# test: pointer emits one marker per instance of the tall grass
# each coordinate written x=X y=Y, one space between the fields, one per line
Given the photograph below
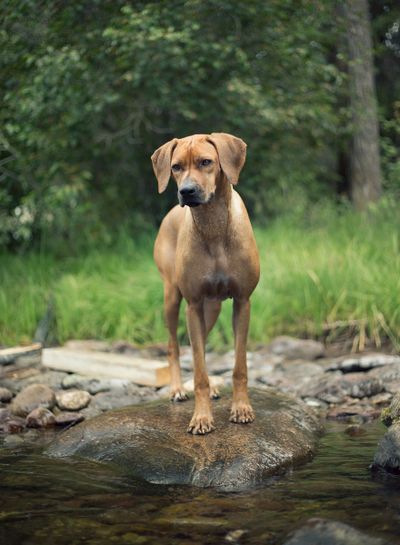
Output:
x=327 y=270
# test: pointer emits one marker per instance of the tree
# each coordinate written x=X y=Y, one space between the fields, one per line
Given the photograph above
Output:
x=365 y=171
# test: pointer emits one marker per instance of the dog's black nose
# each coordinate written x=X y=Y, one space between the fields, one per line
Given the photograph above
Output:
x=187 y=190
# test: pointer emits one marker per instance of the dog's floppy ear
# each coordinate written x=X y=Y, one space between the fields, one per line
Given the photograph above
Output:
x=161 y=160
x=231 y=152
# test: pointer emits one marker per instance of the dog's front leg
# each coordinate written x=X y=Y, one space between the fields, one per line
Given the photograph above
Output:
x=202 y=420
x=242 y=411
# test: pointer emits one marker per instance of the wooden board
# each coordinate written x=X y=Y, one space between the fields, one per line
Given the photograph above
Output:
x=102 y=364
x=21 y=354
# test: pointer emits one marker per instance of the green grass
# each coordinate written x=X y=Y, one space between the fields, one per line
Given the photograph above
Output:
x=333 y=267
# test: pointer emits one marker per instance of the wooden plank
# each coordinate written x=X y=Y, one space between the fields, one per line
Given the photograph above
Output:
x=21 y=354
x=102 y=364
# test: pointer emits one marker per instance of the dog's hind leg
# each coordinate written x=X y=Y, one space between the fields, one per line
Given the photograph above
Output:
x=172 y=301
x=211 y=309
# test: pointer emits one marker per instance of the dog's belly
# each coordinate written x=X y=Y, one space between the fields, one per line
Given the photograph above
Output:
x=219 y=286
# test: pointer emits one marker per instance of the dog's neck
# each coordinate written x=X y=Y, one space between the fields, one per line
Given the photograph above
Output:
x=211 y=220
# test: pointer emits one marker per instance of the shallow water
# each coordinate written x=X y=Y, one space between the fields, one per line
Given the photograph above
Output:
x=46 y=501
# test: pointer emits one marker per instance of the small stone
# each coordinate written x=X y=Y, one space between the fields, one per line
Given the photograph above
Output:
x=354 y=430
x=13 y=441
x=4 y=415
x=73 y=400
x=381 y=399
x=234 y=535
x=40 y=418
x=67 y=418
x=35 y=395
x=5 y=395
x=14 y=424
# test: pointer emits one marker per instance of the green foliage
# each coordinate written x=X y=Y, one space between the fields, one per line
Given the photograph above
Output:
x=90 y=89
x=330 y=267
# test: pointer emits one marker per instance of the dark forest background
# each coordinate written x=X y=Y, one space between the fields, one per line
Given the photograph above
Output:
x=90 y=89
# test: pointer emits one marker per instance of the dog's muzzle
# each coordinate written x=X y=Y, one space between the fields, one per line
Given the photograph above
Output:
x=190 y=194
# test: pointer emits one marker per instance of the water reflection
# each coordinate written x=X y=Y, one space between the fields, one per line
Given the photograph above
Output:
x=46 y=501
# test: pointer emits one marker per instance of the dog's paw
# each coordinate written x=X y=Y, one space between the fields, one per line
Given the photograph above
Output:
x=201 y=424
x=214 y=393
x=178 y=394
x=241 y=413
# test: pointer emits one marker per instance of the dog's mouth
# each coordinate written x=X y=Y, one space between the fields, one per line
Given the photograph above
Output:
x=194 y=201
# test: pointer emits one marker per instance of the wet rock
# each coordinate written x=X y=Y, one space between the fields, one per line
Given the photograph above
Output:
x=293 y=349
x=5 y=395
x=392 y=413
x=73 y=400
x=111 y=400
x=151 y=442
x=329 y=532
x=4 y=415
x=13 y=424
x=40 y=418
x=13 y=441
x=382 y=399
x=387 y=455
x=93 y=385
x=363 y=362
x=67 y=418
x=351 y=413
x=35 y=395
x=354 y=430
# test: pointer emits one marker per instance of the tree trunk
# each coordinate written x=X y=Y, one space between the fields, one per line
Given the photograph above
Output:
x=365 y=171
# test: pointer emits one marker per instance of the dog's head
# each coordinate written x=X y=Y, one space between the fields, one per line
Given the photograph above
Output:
x=197 y=162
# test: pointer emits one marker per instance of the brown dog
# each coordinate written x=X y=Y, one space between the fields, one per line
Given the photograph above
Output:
x=206 y=252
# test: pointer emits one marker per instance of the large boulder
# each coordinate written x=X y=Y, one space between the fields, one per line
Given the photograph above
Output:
x=150 y=441
x=387 y=455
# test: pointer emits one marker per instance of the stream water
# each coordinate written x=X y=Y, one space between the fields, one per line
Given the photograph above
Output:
x=46 y=501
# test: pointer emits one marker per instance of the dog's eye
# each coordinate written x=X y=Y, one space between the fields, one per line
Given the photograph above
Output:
x=176 y=167
x=205 y=162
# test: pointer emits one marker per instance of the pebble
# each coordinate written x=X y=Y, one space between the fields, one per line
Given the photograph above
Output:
x=5 y=395
x=67 y=418
x=35 y=395
x=73 y=400
x=13 y=441
x=14 y=424
x=40 y=418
